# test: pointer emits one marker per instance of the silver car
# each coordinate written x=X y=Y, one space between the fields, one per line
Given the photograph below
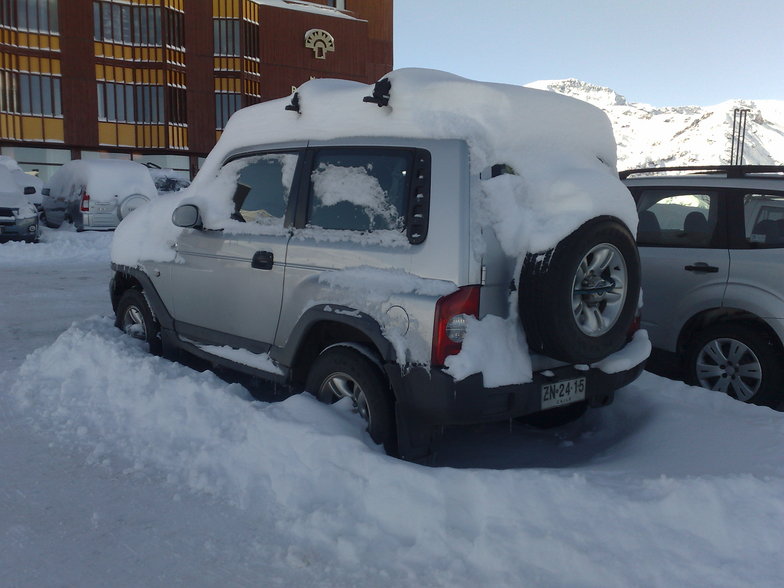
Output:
x=369 y=268
x=18 y=216
x=711 y=242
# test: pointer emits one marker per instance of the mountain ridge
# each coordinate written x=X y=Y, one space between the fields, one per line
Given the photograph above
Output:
x=653 y=136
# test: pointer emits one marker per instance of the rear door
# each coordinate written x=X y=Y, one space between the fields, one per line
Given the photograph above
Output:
x=229 y=278
x=682 y=239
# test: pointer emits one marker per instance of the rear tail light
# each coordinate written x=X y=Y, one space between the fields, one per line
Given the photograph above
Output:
x=85 y=204
x=450 y=322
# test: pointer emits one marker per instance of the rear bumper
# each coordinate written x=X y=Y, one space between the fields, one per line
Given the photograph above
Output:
x=433 y=397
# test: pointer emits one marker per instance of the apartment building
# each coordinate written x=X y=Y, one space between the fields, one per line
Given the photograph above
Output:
x=156 y=80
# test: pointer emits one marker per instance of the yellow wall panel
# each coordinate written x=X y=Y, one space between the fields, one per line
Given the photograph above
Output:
x=32 y=128
x=53 y=129
x=126 y=135
x=107 y=133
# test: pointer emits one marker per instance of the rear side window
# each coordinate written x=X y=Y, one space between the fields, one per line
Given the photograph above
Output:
x=360 y=189
x=677 y=218
x=764 y=220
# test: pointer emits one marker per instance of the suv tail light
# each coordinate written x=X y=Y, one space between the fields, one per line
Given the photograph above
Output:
x=450 y=323
x=85 y=204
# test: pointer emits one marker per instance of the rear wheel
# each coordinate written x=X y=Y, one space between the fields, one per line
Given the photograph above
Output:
x=135 y=318
x=739 y=361
x=344 y=372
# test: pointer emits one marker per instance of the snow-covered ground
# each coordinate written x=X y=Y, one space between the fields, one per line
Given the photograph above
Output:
x=123 y=469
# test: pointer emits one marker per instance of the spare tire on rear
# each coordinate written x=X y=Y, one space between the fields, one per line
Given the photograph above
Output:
x=578 y=300
x=130 y=204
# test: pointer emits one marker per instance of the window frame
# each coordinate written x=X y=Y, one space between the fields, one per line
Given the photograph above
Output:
x=737 y=214
x=417 y=198
x=294 y=194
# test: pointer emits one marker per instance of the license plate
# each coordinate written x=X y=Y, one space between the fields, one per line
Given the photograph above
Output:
x=563 y=392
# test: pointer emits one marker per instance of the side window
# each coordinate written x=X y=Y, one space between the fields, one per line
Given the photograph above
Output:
x=677 y=218
x=764 y=219
x=360 y=189
x=263 y=187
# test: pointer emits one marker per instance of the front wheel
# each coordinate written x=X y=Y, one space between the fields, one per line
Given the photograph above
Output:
x=739 y=361
x=135 y=318
x=343 y=372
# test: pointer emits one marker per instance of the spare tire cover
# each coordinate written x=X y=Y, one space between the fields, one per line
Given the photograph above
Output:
x=578 y=300
x=130 y=204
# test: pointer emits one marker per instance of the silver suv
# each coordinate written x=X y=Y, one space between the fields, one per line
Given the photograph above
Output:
x=711 y=241
x=377 y=253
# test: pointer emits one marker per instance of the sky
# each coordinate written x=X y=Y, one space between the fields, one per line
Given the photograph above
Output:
x=664 y=53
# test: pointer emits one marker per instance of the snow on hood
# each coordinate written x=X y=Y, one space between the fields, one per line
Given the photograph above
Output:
x=562 y=150
x=104 y=178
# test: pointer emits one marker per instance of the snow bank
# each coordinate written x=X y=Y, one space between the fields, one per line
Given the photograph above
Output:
x=63 y=244
x=670 y=486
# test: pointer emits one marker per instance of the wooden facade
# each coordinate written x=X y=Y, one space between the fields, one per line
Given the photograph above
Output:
x=161 y=76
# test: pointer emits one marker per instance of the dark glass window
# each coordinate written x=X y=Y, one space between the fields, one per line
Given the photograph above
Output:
x=764 y=220
x=37 y=16
x=123 y=23
x=226 y=104
x=677 y=218
x=226 y=36
x=27 y=93
x=360 y=190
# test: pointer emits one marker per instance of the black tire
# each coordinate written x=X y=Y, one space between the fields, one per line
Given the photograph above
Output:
x=49 y=224
x=580 y=316
x=742 y=361
x=555 y=417
x=135 y=318
x=345 y=372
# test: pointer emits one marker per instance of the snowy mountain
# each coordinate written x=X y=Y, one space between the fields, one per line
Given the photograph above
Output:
x=682 y=135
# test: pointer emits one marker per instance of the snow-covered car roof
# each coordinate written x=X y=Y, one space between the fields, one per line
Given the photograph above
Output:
x=104 y=178
x=561 y=149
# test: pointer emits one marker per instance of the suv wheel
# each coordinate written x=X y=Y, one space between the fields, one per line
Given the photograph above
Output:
x=578 y=300
x=737 y=360
x=342 y=372
x=135 y=318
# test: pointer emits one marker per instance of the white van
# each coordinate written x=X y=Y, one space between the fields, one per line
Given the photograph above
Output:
x=96 y=193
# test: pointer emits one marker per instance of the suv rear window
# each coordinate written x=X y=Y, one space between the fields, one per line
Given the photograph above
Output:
x=360 y=189
x=764 y=220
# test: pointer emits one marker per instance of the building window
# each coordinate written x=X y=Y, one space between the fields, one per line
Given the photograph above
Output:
x=123 y=23
x=29 y=93
x=226 y=104
x=226 y=36
x=138 y=103
x=175 y=29
x=176 y=100
x=35 y=16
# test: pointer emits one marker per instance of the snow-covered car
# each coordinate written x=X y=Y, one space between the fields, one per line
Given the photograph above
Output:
x=167 y=180
x=32 y=186
x=710 y=240
x=18 y=216
x=96 y=193
x=432 y=250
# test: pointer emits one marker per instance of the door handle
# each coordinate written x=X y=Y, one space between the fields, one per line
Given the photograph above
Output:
x=702 y=268
x=262 y=260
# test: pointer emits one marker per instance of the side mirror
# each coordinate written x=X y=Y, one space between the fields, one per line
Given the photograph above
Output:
x=187 y=216
x=29 y=190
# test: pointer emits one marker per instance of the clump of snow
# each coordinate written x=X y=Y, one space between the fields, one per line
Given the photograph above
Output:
x=57 y=246
x=497 y=348
x=334 y=184
x=634 y=353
